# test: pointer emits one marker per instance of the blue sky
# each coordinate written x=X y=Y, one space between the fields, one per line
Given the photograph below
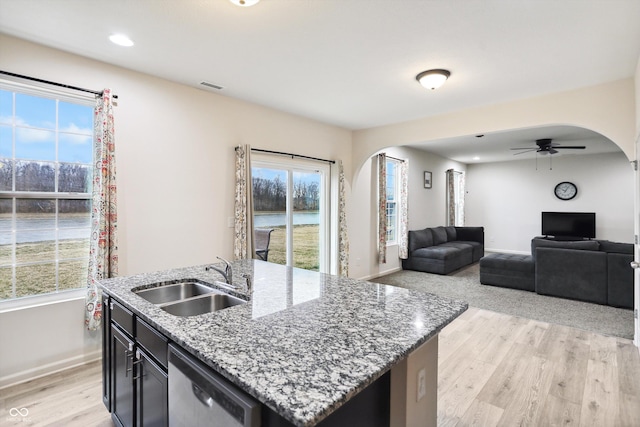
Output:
x=271 y=173
x=35 y=125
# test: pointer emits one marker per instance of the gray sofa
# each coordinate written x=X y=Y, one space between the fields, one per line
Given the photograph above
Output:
x=595 y=271
x=442 y=250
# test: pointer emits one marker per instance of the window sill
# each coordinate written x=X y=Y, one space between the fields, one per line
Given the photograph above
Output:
x=40 y=300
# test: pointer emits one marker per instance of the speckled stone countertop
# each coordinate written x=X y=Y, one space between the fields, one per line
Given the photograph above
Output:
x=306 y=342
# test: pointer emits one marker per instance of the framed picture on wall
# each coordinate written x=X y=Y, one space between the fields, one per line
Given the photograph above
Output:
x=427 y=179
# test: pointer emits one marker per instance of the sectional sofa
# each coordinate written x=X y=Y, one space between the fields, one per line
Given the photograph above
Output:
x=442 y=250
x=595 y=271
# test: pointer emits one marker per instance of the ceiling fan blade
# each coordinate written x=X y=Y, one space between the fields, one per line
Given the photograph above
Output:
x=528 y=150
x=575 y=147
x=523 y=148
x=552 y=151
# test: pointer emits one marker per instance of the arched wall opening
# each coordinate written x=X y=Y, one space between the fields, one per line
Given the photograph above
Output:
x=607 y=109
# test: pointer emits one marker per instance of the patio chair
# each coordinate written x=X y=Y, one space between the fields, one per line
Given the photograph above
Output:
x=262 y=237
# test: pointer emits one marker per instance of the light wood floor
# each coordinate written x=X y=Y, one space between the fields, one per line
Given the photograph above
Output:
x=494 y=370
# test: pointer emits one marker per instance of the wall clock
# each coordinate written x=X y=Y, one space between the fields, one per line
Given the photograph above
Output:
x=566 y=190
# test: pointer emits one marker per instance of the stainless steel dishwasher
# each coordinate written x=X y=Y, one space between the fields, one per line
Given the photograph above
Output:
x=200 y=397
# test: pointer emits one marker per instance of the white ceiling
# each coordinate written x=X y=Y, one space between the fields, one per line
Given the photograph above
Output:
x=350 y=63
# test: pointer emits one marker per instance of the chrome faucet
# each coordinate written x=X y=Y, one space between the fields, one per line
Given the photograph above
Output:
x=227 y=273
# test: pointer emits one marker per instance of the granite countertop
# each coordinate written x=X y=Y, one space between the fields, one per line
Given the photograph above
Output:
x=306 y=342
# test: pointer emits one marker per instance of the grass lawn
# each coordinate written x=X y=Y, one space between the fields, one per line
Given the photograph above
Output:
x=306 y=243
x=40 y=278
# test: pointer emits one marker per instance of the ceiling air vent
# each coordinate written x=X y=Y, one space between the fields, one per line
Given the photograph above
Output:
x=211 y=85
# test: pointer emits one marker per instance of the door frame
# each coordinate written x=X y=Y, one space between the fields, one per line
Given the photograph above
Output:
x=292 y=165
x=636 y=274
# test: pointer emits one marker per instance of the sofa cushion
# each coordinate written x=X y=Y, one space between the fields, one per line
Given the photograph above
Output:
x=440 y=252
x=619 y=280
x=587 y=245
x=439 y=235
x=420 y=239
x=451 y=233
x=615 y=247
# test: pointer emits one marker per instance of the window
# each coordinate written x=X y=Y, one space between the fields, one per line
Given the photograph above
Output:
x=46 y=156
x=393 y=194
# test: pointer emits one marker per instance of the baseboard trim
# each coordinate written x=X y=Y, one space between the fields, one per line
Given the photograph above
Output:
x=380 y=274
x=507 y=251
x=51 y=368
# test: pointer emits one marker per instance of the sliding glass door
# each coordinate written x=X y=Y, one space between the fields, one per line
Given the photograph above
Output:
x=290 y=197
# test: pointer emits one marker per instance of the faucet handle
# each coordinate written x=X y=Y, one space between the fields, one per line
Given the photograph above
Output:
x=249 y=282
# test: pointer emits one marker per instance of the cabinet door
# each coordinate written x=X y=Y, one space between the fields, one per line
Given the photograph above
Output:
x=151 y=392
x=122 y=382
x=106 y=353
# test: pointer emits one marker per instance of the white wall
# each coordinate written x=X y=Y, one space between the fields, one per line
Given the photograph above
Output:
x=427 y=207
x=508 y=197
x=175 y=176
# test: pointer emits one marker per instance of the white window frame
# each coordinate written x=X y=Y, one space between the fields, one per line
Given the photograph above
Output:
x=394 y=225
x=58 y=295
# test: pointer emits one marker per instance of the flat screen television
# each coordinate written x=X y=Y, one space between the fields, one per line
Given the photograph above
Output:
x=569 y=224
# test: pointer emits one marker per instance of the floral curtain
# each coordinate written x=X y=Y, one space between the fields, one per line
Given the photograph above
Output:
x=451 y=198
x=343 y=238
x=103 y=246
x=403 y=235
x=243 y=244
x=382 y=208
x=455 y=197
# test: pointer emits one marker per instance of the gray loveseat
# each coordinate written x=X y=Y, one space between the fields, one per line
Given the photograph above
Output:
x=442 y=250
x=595 y=271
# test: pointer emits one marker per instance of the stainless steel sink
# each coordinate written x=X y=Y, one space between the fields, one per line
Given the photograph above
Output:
x=173 y=292
x=203 y=304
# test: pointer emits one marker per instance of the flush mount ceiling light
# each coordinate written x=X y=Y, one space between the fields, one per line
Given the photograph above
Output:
x=121 y=40
x=244 y=3
x=433 y=79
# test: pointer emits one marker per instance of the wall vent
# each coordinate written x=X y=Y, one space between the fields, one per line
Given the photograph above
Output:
x=211 y=85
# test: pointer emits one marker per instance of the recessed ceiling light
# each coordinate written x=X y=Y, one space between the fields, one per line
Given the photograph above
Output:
x=121 y=40
x=476 y=158
x=244 y=3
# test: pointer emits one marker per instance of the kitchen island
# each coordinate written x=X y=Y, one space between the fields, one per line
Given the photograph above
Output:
x=306 y=344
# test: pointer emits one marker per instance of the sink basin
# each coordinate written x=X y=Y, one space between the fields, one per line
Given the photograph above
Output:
x=173 y=292
x=204 y=304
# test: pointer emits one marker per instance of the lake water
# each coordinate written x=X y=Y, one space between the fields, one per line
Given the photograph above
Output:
x=278 y=219
x=43 y=229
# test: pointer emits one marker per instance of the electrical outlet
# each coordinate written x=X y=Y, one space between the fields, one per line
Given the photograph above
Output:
x=422 y=384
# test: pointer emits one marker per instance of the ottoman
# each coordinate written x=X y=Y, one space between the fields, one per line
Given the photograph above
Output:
x=509 y=271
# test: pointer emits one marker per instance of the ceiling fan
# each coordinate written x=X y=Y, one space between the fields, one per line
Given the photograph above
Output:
x=545 y=146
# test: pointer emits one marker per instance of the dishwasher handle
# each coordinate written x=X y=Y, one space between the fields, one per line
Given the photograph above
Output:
x=202 y=396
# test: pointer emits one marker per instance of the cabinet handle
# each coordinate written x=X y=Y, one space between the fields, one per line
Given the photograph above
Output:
x=128 y=353
x=138 y=361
